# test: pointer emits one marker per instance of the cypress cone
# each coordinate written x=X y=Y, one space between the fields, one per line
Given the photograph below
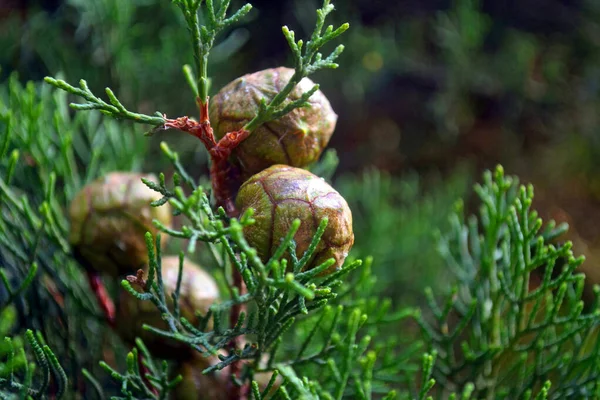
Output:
x=296 y=139
x=281 y=194
x=109 y=218
x=198 y=292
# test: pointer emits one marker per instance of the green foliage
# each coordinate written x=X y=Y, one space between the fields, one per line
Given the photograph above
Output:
x=30 y=387
x=74 y=147
x=349 y=342
x=514 y=325
x=306 y=62
x=275 y=298
x=515 y=316
x=203 y=36
x=48 y=154
x=145 y=377
x=7 y=317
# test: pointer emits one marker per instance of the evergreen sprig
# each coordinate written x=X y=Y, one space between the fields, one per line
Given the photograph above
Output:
x=203 y=36
x=44 y=148
x=23 y=383
x=307 y=60
x=513 y=324
x=515 y=318
x=114 y=108
x=276 y=300
x=145 y=377
x=278 y=296
x=322 y=343
x=516 y=308
x=344 y=365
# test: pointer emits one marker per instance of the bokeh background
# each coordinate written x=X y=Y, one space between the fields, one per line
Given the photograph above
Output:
x=429 y=93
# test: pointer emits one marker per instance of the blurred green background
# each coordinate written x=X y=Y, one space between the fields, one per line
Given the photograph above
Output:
x=429 y=93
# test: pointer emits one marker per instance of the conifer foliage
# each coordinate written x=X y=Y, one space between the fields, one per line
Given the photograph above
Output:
x=290 y=323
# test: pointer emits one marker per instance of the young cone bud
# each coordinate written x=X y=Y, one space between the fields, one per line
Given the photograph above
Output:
x=198 y=292
x=109 y=218
x=281 y=194
x=296 y=139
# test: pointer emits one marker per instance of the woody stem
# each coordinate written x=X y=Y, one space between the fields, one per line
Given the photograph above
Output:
x=220 y=176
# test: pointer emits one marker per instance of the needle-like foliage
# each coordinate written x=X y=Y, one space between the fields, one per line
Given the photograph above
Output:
x=275 y=299
x=18 y=378
x=47 y=155
x=144 y=378
x=307 y=60
x=515 y=318
x=514 y=326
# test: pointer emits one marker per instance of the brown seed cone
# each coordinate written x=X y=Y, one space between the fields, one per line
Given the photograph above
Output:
x=109 y=218
x=195 y=385
x=198 y=292
x=281 y=194
x=296 y=139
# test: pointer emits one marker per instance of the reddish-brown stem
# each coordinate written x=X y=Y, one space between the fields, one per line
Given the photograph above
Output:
x=202 y=131
x=203 y=107
x=104 y=300
x=219 y=152
x=223 y=185
x=219 y=175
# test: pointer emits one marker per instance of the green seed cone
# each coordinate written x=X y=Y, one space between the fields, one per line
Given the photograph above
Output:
x=279 y=195
x=198 y=292
x=109 y=218
x=296 y=139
